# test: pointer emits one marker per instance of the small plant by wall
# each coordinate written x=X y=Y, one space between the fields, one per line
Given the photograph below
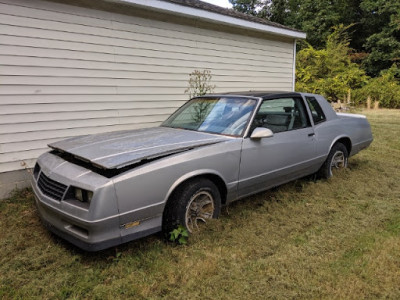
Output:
x=199 y=83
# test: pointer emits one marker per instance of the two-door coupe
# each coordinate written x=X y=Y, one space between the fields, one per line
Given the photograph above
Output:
x=97 y=191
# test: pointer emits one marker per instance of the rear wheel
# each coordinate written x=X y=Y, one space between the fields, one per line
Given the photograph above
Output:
x=192 y=205
x=337 y=159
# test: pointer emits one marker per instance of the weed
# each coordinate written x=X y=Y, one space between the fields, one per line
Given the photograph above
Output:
x=179 y=235
x=199 y=83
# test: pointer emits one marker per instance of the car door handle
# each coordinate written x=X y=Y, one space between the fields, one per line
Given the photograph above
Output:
x=311 y=134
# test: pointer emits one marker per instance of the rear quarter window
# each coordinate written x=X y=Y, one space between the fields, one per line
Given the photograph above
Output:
x=317 y=113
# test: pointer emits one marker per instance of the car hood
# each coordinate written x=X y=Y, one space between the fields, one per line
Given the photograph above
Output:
x=114 y=150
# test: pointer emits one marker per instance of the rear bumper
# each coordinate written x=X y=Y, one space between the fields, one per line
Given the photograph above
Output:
x=360 y=146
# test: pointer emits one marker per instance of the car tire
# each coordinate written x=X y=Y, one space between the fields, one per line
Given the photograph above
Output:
x=195 y=201
x=337 y=159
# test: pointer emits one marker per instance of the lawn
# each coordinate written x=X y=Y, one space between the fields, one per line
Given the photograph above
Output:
x=337 y=238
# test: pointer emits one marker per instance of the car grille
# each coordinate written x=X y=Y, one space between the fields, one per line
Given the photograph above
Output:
x=50 y=187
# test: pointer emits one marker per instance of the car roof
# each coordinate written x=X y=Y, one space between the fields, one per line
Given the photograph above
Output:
x=258 y=94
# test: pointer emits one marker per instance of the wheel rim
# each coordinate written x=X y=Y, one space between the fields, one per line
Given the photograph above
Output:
x=200 y=208
x=338 y=161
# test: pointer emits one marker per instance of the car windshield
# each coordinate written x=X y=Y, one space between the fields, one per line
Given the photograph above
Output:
x=222 y=115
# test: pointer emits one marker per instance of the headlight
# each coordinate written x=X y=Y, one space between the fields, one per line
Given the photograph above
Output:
x=83 y=195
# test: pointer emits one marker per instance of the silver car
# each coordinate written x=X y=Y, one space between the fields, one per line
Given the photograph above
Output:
x=97 y=191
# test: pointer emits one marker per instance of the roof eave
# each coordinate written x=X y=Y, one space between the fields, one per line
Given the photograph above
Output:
x=213 y=17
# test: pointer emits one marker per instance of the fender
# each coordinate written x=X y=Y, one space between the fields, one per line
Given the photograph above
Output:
x=190 y=175
x=338 y=138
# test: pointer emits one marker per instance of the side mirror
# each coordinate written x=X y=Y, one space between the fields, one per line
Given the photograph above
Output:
x=261 y=132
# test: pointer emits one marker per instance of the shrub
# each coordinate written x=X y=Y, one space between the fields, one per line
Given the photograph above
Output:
x=329 y=71
x=385 y=89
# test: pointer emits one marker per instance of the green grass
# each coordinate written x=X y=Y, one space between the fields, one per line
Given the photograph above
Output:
x=335 y=239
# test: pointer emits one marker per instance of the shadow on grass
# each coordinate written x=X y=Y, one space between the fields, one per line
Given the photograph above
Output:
x=111 y=255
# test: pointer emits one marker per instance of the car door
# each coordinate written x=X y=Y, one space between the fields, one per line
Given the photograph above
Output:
x=288 y=154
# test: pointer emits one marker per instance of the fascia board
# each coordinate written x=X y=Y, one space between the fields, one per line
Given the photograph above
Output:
x=213 y=17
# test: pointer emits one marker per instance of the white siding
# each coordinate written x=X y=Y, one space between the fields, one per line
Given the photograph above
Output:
x=67 y=71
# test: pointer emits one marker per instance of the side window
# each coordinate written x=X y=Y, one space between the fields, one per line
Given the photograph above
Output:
x=316 y=110
x=282 y=114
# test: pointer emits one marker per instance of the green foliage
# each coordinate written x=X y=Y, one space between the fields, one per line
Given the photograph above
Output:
x=329 y=71
x=384 y=45
x=375 y=33
x=385 y=89
x=199 y=83
x=326 y=62
x=179 y=235
x=316 y=18
x=251 y=7
x=118 y=256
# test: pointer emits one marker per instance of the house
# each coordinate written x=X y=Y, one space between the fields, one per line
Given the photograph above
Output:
x=77 y=67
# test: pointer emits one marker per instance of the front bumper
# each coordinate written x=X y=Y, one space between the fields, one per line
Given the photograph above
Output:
x=91 y=227
x=90 y=235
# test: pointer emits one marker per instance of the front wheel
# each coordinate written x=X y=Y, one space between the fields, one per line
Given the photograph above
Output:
x=192 y=205
x=337 y=159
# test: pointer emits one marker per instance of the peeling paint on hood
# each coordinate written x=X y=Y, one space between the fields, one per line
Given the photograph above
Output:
x=114 y=150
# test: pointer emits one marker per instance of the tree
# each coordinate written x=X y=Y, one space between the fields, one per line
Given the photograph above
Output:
x=383 y=45
x=384 y=89
x=374 y=35
x=316 y=18
x=251 y=7
x=329 y=71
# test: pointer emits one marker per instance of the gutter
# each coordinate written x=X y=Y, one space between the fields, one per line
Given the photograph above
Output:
x=294 y=66
x=212 y=17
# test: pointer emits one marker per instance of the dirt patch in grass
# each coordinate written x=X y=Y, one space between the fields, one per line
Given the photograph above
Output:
x=337 y=238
